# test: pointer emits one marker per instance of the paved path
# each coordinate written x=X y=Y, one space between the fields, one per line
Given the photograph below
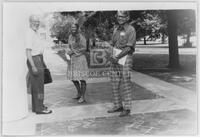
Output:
x=175 y=103
x=173 y=100
x=180 y=95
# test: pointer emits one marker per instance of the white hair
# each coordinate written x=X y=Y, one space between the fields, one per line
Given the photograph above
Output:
x=34 y=17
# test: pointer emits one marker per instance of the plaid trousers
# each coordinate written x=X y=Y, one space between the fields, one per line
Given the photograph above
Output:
x=120 y=75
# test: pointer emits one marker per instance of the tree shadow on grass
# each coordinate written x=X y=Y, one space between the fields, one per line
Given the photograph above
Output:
x=156 y=65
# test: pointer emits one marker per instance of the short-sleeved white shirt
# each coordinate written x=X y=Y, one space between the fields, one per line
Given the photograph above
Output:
x=34 y=42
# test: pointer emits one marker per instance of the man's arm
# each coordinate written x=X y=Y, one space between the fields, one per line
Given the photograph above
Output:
x=124 y=52
x=28 y=44
x=30 y=59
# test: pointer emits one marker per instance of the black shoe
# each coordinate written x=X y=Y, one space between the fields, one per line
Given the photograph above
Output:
x=113 y=110
x=44 y=112
x=45 y=107
x=125 y=113
x=76 y=97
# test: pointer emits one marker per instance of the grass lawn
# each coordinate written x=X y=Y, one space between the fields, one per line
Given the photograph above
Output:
x=155 y=65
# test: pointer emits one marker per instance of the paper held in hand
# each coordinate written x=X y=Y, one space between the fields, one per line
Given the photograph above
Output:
x=68 y=57
x=116 y=52
x=67 y=49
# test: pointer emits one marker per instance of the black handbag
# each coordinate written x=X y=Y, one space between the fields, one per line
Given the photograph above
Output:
x=47 y=76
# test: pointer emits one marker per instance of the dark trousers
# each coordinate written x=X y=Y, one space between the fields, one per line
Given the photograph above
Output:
x=37 y=83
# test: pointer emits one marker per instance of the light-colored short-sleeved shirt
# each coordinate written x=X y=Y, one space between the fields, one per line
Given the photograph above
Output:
x=124 y=37
x=34 y=42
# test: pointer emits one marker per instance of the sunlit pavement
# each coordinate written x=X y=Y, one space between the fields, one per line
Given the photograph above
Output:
x=158 y=108
x=164 y=50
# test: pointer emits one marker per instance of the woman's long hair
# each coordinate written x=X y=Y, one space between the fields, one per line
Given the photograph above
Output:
x=77 y=33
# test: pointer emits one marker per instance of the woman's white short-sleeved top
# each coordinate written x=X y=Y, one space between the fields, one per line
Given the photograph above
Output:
x=34 y=42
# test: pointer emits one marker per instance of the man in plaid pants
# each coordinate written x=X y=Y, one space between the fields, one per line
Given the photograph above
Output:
x=124 y=38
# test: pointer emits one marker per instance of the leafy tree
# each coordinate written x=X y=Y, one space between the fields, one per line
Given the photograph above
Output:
x=163 y=25
x=99 y=25
x=148 y=24
x=186 y=23
x=60 y=27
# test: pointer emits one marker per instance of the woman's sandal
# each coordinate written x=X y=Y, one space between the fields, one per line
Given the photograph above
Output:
x=81 y=100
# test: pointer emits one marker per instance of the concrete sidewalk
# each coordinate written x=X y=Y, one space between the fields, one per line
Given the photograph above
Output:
x=165 y=102
x=159 y=108
x=177 y=94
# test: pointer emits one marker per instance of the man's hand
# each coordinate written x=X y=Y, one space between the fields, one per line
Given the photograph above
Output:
x=114 y=60
x=67 y=61
x=35 y=71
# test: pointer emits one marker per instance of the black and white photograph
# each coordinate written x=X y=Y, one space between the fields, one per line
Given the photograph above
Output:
x=100 y=68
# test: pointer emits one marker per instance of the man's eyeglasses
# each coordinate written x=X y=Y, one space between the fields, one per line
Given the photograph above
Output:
x=35 y=22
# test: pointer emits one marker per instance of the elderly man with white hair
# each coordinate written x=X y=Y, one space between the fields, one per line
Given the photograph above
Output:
x=36 y=65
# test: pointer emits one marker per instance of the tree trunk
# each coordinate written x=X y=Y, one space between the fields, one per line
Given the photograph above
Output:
x=87 y=44
x=173 y=42
x=163 y=38
x=145 y=43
